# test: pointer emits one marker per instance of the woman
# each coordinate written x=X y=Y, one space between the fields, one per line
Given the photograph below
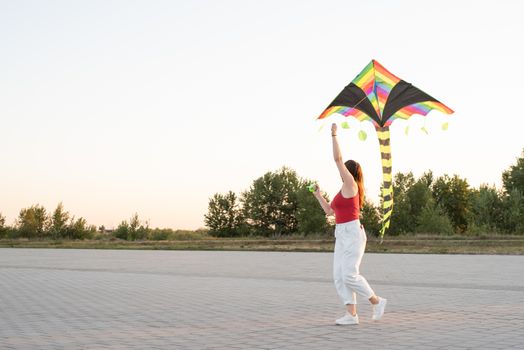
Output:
x=350 y=238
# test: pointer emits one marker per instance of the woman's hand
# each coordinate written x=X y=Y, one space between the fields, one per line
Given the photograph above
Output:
x=334 y=129
x=317 y=191
x=323 y=202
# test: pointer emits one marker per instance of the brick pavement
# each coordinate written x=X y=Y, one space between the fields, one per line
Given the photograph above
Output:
x=107 y=299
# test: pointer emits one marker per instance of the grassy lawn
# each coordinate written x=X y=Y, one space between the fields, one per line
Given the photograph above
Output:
x=424 y=244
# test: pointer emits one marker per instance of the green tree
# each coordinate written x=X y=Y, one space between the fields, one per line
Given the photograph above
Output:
x=420 y=197
x=138 y=230
x=513 y=198
x=370 y=218
x=401 y=218
x=224 y=217
x=32 y=222
x=513 y=178
x=58 y=227
x=122 y=230
x=453 y=195
x=513 y=212
x=486 y=209
x=79 y=229
x=270 y=205
x=3 y=229
x=133 y=230
x=433 y=219
x=427 y=178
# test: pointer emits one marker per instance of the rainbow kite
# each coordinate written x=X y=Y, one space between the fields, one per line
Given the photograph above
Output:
x=379 y=96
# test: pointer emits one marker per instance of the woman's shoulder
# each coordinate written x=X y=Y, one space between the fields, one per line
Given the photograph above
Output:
x=348 y=192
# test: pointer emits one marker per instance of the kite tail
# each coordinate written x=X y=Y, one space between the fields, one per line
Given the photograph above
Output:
x=387 y=184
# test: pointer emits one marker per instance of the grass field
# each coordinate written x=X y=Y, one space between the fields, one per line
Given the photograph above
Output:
x=402 y=244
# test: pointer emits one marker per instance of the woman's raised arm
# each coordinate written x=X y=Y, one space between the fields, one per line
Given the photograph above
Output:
x=348 y=179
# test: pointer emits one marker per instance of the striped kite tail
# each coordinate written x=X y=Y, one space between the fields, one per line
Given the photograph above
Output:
x=387 y=180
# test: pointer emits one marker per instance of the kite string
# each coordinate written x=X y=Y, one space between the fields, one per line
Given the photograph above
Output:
x=363 y=98
x=353 y=107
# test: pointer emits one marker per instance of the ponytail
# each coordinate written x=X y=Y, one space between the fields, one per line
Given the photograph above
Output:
x=356 y=170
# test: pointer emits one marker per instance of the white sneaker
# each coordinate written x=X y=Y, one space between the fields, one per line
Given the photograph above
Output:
x=378 y=309
x=347 y=319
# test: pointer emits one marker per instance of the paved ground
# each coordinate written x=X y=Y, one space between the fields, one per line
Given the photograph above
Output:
x=103 y=299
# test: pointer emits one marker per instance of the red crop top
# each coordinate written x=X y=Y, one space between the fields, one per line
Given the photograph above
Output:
x=346 y=209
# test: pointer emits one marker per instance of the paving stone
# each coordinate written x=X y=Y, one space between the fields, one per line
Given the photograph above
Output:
x=116 y=299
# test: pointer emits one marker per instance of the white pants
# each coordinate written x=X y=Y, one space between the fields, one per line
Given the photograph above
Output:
x=349 y=248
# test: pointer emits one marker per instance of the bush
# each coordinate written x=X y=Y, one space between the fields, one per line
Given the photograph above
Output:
x=160 y=234
x=134 y=230
x=78 y=229
x=186 y=235
x=122 y=230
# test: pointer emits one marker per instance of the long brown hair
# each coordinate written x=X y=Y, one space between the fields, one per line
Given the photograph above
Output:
x=356 y=170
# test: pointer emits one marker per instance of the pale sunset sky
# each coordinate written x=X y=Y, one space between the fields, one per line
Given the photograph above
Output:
x=117 y=107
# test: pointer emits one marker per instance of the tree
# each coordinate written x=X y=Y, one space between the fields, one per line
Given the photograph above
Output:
x=79 y=229
x=513 y=212
x=58 y=227
x=224 y=217
x=513 y=178
x=132 y=230
x=277 y=203
x=32 y=222
x=420 y=197
x=433 y=219
x=453 y=195
x=270 y=205
x=427 y=178
x=122 y=230
x=486 y=209
x=512 y=217
x=3 y=229
x=138 y=230
x=401 y=218
x=370 y=218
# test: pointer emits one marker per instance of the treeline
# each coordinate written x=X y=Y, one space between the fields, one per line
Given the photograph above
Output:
x=36 y=223
x=448 y=204
x=278 y=203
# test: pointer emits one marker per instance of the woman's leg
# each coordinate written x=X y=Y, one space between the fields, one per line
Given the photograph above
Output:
x=353 y=250
x=352 y=257
x=374 y=300
x=351 y=309
x=347 y=296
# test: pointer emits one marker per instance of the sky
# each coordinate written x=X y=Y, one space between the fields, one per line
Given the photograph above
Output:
x=116 y=107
